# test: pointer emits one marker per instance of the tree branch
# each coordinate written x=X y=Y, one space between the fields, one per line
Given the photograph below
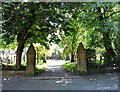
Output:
x=113 y=14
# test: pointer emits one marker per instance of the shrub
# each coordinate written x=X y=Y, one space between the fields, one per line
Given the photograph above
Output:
x=70 y=66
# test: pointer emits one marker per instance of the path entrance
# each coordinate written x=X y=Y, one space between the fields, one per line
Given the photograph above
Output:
x=55 y=69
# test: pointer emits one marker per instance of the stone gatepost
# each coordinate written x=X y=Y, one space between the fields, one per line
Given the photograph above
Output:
x=81 y=59
x=31 y=58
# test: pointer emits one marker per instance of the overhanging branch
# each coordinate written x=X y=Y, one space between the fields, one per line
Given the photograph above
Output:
x=113 y=14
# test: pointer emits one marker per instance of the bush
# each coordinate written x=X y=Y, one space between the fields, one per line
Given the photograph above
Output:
x=70 y=66
x=41 y=67
x=40 y=62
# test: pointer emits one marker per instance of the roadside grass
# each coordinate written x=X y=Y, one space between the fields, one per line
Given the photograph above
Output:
x=40 y=66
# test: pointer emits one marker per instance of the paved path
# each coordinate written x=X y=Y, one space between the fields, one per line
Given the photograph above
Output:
x=55 y=69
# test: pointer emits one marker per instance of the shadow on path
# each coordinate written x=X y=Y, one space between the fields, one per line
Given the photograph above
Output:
x=55 y=69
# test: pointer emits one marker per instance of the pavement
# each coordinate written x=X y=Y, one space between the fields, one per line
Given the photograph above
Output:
x=52 y=82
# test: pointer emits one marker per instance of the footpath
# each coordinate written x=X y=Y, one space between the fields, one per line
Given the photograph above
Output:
x=55 y=69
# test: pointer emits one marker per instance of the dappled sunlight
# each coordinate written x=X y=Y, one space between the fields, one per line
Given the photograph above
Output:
x=58 y=81
x=41 y=66
x=54 y=62
x=68 y=46
x=102 y=81
x=112 y=68
x=64 y=82
x=92 y=79
x=54 y=68
x=96 y=82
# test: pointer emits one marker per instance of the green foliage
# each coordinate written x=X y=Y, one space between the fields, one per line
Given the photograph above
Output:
x=87 y=27
x=40 y=68
x=70 y=38
x=32 y=20
x=70 y=66
x=16 y=16
x=95 y=24
x=49 y=17
x=117 y=42
x=117 y=32
x=40 y=62
x=24 y=64
x=41 y=51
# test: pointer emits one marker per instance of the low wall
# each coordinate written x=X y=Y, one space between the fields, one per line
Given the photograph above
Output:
x=13 y=73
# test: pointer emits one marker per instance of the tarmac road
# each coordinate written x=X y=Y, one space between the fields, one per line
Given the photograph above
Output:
x=95 y=82
x=56 y=79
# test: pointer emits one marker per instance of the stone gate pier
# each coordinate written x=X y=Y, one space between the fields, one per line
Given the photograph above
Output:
x=81 y=59
x=31 y=58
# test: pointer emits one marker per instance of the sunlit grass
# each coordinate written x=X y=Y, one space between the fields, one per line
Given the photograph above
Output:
x=8 y=64
x=43 y=66
x=70 y=66
x=40 y=62
x=40 y=66
x=23 y=63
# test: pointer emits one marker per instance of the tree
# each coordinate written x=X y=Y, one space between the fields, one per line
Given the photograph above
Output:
x=42 y=52
x=116 y=18
x=31 y=23
x=18 y=18
x=70 y=41
x=70 y=37
x=98 y=17
x=34 y=22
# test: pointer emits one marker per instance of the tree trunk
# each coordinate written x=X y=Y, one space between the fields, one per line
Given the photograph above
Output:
x=22 y=37
x=72 y=57
x=19 y=54
x=44 y=59
x=106 y=38
x=107 y=44
x=110 y=54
